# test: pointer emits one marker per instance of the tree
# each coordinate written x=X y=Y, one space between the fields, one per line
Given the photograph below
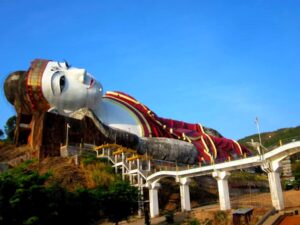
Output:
x=10 y=127
x=1 y=133
x=120 y=201
x=27 y=197
x=22 y=194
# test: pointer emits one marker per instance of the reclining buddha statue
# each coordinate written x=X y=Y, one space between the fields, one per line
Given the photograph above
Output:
x=50 y=86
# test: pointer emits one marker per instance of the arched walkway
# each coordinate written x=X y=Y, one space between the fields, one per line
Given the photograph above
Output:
x=270 y=163
x=132 y=165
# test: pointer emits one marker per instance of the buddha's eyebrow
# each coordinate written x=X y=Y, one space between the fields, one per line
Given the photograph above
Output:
x=67 y=64
x=60 y=67
x=55 y=68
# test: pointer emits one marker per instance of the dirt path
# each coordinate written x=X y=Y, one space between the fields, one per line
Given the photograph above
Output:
x=260 y=202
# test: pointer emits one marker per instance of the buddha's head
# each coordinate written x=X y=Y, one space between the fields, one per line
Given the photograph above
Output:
x=50 y=85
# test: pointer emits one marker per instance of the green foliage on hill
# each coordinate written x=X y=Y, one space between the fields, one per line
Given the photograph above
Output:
x=26 y=198
x=98 y=172
x=120 y=201
x=272 y=138
x=10 y=127
x=244 y=176
x=1 y=133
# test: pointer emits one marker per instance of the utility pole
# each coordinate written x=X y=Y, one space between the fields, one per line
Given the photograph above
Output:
x=259 y=137
x=257 y=126
x=67 y=135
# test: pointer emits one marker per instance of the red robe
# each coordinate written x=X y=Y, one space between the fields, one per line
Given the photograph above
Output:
x=211 y=149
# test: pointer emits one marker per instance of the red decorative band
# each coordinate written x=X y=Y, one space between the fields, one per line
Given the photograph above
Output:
x=34 y=85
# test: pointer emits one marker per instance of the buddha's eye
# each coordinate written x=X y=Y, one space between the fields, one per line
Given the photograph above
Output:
x=62 y=82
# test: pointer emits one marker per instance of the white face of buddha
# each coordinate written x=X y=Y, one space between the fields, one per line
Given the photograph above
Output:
x=68 y=88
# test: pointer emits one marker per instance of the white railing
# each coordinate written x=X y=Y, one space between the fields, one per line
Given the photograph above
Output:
x=136 y=167
x=283 y=142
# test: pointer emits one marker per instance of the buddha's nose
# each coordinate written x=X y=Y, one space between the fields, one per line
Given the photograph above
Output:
x=81 y=73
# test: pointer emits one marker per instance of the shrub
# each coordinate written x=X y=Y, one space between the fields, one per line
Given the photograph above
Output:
x=120 y=201
x=220 y=217
x=194 y=222
x=169 y=217
x=26 y=199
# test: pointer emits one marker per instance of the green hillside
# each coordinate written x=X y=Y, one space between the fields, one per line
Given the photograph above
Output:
x=273 y=138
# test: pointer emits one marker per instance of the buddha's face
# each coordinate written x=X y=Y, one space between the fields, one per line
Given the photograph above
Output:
x=68 y=88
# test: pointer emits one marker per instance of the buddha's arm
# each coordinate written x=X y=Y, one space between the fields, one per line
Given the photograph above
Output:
x=160 y=148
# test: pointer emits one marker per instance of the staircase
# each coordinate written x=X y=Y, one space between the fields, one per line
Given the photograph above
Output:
x=126 y=160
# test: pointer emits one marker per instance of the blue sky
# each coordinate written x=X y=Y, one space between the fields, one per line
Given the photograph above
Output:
x=218 y=63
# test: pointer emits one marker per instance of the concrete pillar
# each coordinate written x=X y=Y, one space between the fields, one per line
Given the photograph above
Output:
x=149 y=165
x=222 y=180
x=185 y=194
x=141 y=201
x=276 y=190
x=116 y=161
x=123 y=166
x=138 y=164
x=273 y=170
x=130 y=175
x=153 y=199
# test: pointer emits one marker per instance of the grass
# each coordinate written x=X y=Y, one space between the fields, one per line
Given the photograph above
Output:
x=272 y=138
x=98 y=174
x=246 y=176
x=97 y=171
